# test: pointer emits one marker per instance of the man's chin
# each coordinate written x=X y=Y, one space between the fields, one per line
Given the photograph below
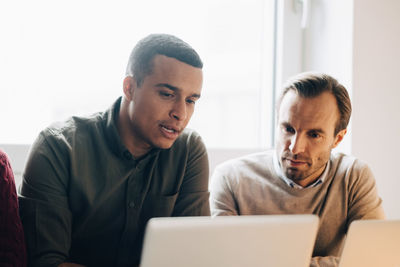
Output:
x=294 y=175
x=164 y=145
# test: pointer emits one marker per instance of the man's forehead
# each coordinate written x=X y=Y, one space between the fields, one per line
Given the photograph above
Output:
x=313 y=112
x=325 y=101
x=176 y=75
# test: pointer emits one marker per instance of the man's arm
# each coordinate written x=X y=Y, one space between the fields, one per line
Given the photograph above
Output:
x=364 y=202
x=44 y=208
x=193 y=195
x=222 y=200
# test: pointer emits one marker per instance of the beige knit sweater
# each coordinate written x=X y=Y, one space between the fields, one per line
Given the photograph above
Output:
x=251 y=186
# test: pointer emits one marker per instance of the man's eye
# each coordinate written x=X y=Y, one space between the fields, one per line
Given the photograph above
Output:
x=190 y=101
x=165 y=94
x=289 y=129
x=314 y=135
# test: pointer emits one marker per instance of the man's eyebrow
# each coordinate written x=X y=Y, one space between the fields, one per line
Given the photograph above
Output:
x=170 y=87
x=175 y=89
x=317 y=130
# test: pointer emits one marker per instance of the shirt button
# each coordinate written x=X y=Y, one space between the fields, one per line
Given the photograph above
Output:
x=131 y=205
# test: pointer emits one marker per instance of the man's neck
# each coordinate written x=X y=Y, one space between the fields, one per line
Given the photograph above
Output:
x=127 y=135
x=311 y=178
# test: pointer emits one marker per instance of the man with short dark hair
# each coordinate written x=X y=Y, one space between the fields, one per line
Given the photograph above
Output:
x=301 y=175
x=91 y=183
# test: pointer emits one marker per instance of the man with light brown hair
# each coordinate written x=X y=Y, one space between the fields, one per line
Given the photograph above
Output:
x=301 y=175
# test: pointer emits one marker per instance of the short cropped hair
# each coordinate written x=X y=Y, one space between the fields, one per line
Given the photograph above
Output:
x=141 y=59
x=309 y=85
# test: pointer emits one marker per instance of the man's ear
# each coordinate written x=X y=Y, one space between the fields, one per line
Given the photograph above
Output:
x=339 y=137
x=129 y=87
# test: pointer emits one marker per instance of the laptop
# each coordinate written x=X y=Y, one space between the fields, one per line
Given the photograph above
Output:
x=231 y=241
x=372 y=243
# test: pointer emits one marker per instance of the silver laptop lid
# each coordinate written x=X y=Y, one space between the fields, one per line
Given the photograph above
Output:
x=234 y=241
x=372 y=243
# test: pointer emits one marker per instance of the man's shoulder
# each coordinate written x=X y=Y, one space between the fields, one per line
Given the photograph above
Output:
x=81 y=127
x=3 y=158
x=189 y=144
x=73 y=126
x=347 y=162
x=72 y=134
x=349 y=167
x=5 y=167
x=187 y=139
x=188 y=133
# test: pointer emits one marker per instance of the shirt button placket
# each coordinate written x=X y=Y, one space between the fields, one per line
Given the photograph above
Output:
x=132 y=190
x=131 y=221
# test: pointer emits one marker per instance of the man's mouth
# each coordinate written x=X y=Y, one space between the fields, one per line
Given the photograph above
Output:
x=170 y=132
x=168 y=129
x=295 y=163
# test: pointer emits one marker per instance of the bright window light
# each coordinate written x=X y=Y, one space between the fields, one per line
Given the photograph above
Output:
x=64 y=58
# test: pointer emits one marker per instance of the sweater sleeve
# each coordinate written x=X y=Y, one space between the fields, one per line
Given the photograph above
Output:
x=222 y=199
x=364 y=202
x=12 y=243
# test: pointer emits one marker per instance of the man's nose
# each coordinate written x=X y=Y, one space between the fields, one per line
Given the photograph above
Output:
x=297 y=144
x=179 y=110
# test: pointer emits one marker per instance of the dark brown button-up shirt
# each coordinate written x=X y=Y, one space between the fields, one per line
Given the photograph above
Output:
x=85 y=199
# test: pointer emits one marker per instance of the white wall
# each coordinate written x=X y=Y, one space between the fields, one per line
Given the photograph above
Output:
x=358 y=42
x=376 y=94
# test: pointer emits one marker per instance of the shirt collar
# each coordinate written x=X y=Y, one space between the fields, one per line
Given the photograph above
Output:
x=292 y=184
